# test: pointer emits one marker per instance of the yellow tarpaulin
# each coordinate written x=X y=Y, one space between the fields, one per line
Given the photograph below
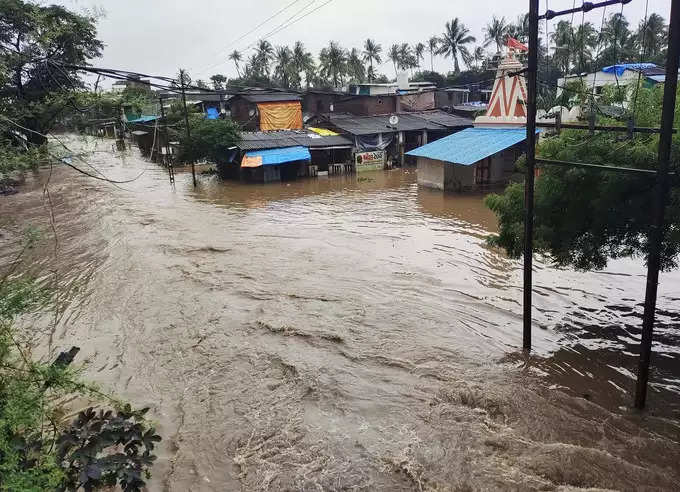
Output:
x=251 y=161
x=323 y=132
x=280 y=115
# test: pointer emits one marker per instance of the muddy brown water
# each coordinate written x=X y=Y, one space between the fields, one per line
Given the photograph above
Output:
x=345 y=333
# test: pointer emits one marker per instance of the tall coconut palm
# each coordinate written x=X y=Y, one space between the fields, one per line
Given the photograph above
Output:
x=478 y=56
x=395 y=57
x=333 y=60
x=235 y=56
x=371 y=54
x=563 y=38
x=284 y=65
x=432 y=47
x=355 y=66
x=406 y=58
x=495 y=32
x=303 y=61
x=652 y=36
x=585 y=41
x=418 y=51
x=453 y=42
x=264 y=52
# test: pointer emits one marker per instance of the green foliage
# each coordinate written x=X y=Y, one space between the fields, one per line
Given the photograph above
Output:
x=210 y=140
x=14 y=158
x=39 y=449
x=33 y=39
x=583 y=217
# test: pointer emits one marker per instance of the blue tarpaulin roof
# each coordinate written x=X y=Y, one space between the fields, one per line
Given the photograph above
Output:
x=144 y=119
x=471 y=145
x=271 y=157
x=619 y=69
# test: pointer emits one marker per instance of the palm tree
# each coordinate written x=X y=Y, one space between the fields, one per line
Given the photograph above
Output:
x=284 y=65
x=395 y=57
x=496 y=32
x=418 y=51
x=562 y=39
x=333 y=60
x=585 y=41
x=371 y=54
x=478 y=55
x=617 y=40
x=235 y=56
x=264 y=53
x=453 y=42
x=303 y=61
x=652 y=36
x=432 y=47
x=406 y=58
x=520 y=29
x=355 y=66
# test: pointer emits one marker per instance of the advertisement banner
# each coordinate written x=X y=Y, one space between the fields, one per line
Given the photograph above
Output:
x=369 y=161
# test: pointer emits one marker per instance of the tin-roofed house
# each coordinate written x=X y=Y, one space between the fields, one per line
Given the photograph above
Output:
x=485 y=155
x=266 y=111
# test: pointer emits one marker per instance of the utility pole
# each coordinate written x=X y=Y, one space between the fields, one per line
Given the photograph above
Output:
x=171 y=169
x=660 y=200
x=182 y=74
x=532 y=71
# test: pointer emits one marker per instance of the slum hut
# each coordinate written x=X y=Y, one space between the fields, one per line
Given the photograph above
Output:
x=450 y=97
x=259 y=111
x=376 y=134
x=470 y=159
x=325 y=151
x=279 y=164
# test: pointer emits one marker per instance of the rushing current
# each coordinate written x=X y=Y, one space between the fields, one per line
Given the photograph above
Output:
x=343 y=333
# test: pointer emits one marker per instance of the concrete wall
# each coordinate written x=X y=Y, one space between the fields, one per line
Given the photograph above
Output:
x=458 y=177
x=366 y=105
x=430 y=173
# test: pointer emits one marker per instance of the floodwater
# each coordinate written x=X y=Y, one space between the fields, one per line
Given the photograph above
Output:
x=345 y=333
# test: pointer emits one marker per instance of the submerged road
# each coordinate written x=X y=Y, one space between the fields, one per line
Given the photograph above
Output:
x=346 y=333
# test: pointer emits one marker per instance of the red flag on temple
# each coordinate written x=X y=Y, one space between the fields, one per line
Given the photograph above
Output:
x=516 y=45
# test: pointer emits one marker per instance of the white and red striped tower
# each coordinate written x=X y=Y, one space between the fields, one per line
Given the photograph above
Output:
x=506 y=107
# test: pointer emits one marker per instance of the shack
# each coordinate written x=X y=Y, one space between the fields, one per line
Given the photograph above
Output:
x=280 y=164
x=265 y=111
x=470 y=159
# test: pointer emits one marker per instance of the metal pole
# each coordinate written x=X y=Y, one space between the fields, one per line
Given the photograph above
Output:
x=531 y=162
x=171 y=171
x=186 y=121
x=660 y=199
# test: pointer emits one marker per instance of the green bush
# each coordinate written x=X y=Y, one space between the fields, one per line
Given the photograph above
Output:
x=210 y=140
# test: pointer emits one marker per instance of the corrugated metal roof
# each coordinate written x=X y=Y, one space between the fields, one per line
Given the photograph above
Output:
x=443 y=118
x=274 y=97
x=272 y=157
x=367 y=125
x=144 y=119
x=290 y=138
x=471 y=145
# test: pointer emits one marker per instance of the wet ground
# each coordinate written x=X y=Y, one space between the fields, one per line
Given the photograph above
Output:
x=345 y=333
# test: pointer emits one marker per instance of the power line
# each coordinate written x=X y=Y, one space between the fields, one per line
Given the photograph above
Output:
x=281 y=26
x=232 y=43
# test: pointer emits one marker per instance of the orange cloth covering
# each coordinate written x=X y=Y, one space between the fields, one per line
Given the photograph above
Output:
x=280 y=115
x=254 y=161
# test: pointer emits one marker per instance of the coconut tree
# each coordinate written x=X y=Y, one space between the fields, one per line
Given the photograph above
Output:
x=478 y=56
x=235 y=56
x=406 y=58
x=284 y=65
x=520 y=29
x=585 y=41
x=418 y=51
x=355 y=66
x=303 y=61
x=562 y=39
x=218 y=81
x=395 y=57
x=453 y=42
x=432 y=47
x=264 y=52
x=652 y=36
x=333 y=61
x=371 y=54
x=495 y=32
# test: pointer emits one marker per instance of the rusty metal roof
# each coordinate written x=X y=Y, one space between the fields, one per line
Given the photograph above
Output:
x=290 y=138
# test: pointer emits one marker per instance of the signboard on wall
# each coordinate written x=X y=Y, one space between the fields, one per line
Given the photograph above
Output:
x=369 y=161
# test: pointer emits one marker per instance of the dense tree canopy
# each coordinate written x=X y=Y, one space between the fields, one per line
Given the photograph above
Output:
x=36 y=45
x=584 y=217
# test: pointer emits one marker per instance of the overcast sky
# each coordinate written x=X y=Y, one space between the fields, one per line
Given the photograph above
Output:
x=159 y=36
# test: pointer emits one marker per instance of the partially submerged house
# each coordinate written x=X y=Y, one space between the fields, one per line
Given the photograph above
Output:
x=486 y=154
x=270 y=152
x=265 y=111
